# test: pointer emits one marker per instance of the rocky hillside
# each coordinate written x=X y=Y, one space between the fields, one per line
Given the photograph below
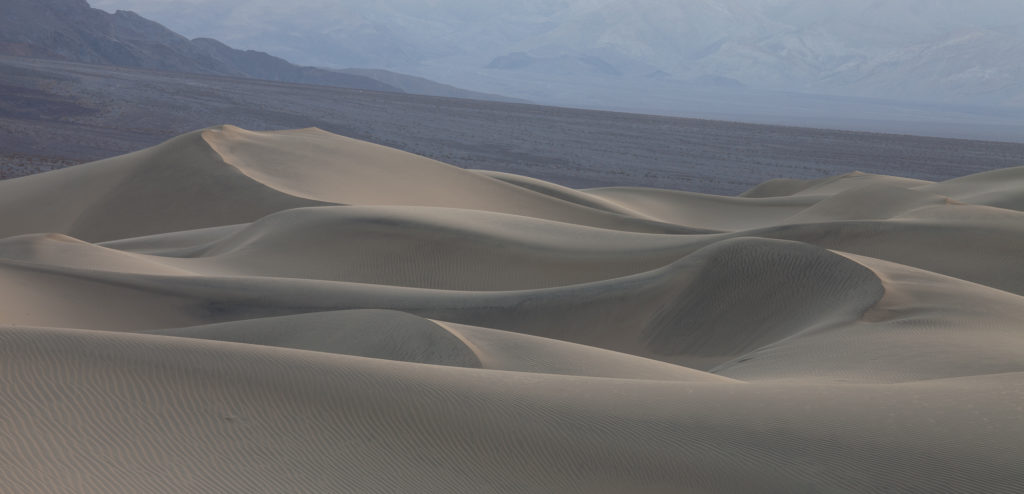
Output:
x=72 y=30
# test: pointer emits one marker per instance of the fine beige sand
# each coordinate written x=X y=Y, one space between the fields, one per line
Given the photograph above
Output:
x=236 y=311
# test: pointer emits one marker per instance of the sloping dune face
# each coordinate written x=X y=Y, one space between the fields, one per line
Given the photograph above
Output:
x=236 y=311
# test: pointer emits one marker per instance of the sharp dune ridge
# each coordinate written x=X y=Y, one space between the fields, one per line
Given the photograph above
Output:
x=295 y=311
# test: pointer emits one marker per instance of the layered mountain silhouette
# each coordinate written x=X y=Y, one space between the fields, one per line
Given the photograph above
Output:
x=934 y=51
x=72 y=30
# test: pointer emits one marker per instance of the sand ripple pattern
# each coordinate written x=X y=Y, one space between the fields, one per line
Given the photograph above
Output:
x=237 y=311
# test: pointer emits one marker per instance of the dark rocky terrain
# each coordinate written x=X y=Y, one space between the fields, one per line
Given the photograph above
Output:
x=71 y=30
x=56 y=113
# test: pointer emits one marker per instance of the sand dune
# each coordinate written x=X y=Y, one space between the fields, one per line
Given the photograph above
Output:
x=236 y=311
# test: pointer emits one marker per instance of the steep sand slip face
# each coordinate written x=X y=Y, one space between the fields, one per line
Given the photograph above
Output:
x=236 y=311
x=974 y=251
x=748 y=293
x=181 y=184
x=926 y=326
x=346 y=171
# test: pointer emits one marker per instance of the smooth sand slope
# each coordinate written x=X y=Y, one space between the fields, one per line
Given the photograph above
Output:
x=236 y=311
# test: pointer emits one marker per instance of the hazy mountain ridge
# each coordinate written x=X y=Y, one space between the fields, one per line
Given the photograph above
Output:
x=419 y=85
x=941 y=51
x=71 y=30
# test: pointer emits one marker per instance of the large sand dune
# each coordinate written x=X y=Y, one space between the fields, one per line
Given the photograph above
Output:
x=235 y=311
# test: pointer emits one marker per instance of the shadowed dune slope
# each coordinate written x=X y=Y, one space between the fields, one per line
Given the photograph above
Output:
x=404 y=337
x=434 y=248
x=342 y=170
x=181 y=184
x=682 y=312
x=226 y=175
x=237 y=311
x=395 y=336
x=998 y=188
x=828 y=185
x=703 y=210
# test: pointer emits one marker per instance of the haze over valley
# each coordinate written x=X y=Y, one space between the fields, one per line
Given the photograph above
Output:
x=907 y=66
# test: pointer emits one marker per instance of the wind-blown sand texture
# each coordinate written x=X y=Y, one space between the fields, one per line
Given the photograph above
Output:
x=234 y=311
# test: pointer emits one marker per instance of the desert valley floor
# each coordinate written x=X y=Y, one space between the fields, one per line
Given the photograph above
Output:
x=296 y=311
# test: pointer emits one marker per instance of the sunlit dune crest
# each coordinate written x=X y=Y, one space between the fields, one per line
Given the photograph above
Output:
x=297 y=311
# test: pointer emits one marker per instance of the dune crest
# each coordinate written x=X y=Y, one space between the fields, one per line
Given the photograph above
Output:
x=296 y=311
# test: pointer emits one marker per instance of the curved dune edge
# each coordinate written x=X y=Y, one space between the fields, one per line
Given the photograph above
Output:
x=258 y=419
x=295 y=311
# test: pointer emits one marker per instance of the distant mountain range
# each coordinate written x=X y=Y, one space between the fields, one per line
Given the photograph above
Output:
x=72 y=30
x=937 y=51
